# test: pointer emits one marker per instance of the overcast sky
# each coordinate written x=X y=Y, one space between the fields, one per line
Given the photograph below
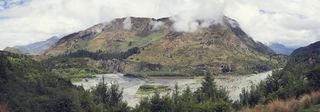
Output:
x=293 y=23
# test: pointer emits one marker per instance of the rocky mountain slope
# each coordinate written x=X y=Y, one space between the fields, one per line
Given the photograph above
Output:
x=34 y=48
x=146 y=44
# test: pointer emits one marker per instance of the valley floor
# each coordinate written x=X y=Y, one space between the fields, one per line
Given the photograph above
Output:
x=130 y=85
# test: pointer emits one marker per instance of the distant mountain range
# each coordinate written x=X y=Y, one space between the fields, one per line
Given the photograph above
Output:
x=281 y=49
x=34 y=48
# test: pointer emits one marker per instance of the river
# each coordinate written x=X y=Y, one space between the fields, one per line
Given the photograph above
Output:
x=130 y=85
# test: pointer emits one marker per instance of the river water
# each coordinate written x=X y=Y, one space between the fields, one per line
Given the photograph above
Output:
x=130 y=85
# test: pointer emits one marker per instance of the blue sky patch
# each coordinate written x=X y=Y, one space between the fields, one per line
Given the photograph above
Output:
x=6 y=4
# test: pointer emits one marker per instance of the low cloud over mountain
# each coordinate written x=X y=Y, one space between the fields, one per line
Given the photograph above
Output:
x=287 y=22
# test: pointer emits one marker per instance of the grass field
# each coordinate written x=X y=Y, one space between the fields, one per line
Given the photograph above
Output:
x=151 y=88
x=155 y=74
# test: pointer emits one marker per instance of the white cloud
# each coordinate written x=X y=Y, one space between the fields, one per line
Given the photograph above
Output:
x=205 y=10
x=291 y=22
x=127 y=23
x=156 y=25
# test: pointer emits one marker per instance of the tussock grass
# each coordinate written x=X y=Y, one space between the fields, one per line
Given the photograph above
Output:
x=291 y=105
x=4 y=107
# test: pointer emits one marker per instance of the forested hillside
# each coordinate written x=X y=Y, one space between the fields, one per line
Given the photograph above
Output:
x=300 y=76
x=25 y=86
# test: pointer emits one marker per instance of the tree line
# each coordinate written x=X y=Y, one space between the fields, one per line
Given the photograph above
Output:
x=102 y=55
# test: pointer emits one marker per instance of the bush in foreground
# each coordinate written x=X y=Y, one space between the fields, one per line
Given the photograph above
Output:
x=291 y=105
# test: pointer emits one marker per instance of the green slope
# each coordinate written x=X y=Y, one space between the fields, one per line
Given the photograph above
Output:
x=27 y=87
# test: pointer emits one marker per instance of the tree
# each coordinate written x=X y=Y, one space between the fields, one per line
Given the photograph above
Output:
x=101 y=93
x=208 y=87
x=314 y=79
x=209 y=90
x=175 y=94
x=156 y=104
x=187 y=95
x=110 y=97
x=144 y=105
x=115 y=94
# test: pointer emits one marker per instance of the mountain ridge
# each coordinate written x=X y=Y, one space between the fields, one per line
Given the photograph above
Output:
x=35 y=48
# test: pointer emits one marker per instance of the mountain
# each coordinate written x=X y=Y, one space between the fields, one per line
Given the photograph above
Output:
x=281 y=49
x=135 y=44
x=308 y=54
x=34 y=48
x=312 y=49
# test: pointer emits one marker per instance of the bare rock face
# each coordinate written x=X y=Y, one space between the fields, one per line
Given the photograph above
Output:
x=218 y=48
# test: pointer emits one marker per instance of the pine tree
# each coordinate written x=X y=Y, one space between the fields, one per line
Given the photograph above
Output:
x=175 y=94
x=156 y=103
x=208 y=87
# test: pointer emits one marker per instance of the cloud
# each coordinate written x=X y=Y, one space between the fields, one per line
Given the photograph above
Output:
x=208 y=11
x=156 y=25
x=127 y=23
x=287 y=21
x=294 y=23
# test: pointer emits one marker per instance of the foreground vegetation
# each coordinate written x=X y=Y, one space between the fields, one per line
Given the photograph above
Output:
x=300 y=76
x=303 y=104
x=27 y=86
x=207 y=98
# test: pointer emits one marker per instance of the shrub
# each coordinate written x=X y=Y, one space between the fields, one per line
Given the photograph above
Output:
x=278 y=106
x=315 y=97
x=292 y=105
x=305 y=101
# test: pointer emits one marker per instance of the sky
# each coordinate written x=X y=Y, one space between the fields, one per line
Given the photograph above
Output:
x=294 y=23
